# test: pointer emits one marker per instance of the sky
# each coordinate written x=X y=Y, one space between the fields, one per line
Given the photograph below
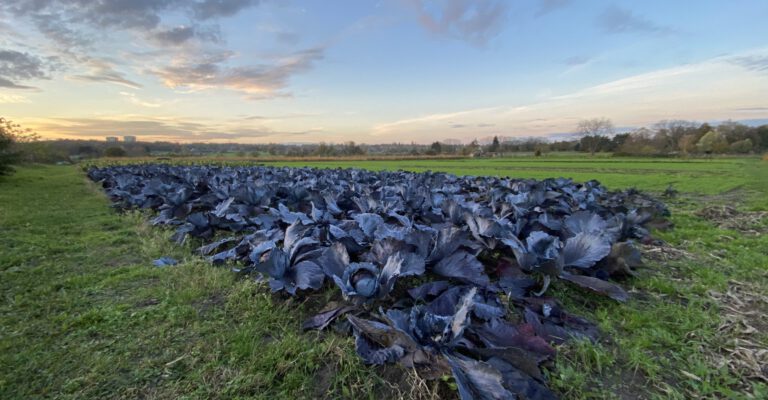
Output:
x=259 y=71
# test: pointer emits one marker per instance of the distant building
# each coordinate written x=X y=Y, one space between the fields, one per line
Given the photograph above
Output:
x=112 y=139
x=129 y=139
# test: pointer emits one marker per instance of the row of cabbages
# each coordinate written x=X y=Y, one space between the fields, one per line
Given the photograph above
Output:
x=436 y=272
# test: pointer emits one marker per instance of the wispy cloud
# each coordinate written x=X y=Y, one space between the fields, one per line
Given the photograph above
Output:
x=547 y=6
x=620 y=20
x=753 y=62
x=257 y=81
x=103 y=71
x=136 y=100
x=753 y=110
x=16 y=67
x=475 y=22
x=712 y=89
x=208 y=9
x=174 y=36
x=576 y=61
x=8 y=98
x=182 y=34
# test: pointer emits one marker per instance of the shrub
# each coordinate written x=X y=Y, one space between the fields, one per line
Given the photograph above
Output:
x=7 y=155
x=114 y=152
x=742 y=146
x=10 y=136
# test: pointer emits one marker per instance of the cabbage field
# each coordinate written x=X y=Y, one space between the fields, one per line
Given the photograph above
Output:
x=224 y=279
x=439 y=273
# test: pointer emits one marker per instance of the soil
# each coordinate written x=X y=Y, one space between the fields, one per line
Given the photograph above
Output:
x=744 y=313
x=728 y=217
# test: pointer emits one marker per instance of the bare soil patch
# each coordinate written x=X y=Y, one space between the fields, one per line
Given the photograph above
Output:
x=744 y=322
x=728 y=217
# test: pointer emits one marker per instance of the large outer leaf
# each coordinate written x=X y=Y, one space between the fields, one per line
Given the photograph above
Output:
x=383 y=250
x=384 y=337
x=211 y=247
x=461 y=317
x=498 y=333
x=369 y=222
x=584 y=222
x=462 y=266
x=477 y=379
x=375 y=354
x=449 y=240
x=585 y=250
x=294 y=233
x=222 y=208
x=334 y=260
x=428 y=289
x=520 y=383
x=308 y=275
x=597 y=285
x=323 y=319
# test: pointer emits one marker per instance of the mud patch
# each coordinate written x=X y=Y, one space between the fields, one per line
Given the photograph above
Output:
x=406 y=383
x=727 y=217
x=147 y=303
x=395 y=382
x=323 y=379
x=214 y=301
x=629 y=385
x=663 y=252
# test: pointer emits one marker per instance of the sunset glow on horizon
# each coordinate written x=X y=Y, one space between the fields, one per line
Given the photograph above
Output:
x=254 y=71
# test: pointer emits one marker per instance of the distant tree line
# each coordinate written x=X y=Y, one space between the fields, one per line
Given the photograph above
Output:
x=680 y=138
x=666 y=138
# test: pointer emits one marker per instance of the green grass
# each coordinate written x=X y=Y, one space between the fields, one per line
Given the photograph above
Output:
x=85 y=315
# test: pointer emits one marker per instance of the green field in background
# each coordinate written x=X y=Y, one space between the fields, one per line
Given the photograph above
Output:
x=700 y=176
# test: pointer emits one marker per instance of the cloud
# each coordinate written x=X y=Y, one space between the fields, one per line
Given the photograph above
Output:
x=712 y=89
x=620 y=20
x=113 y=13
x=191 y=55
x=60 y=32
x=576 y=61
x=103 y=71
x=134 y=99
x=16 y=66
x=12 y=98
x=221 y=8
x=753 y=109
x=287 y=37
x=758 y=63
x=125 y=14
x=182 y=34
x=475 y=22
x=547 y=6
x=258 y=81
x=177 y=35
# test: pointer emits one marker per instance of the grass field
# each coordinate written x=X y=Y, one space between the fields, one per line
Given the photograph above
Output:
x=85 y=315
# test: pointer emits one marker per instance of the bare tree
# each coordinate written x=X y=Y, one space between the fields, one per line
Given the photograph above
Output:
x=592 y=130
